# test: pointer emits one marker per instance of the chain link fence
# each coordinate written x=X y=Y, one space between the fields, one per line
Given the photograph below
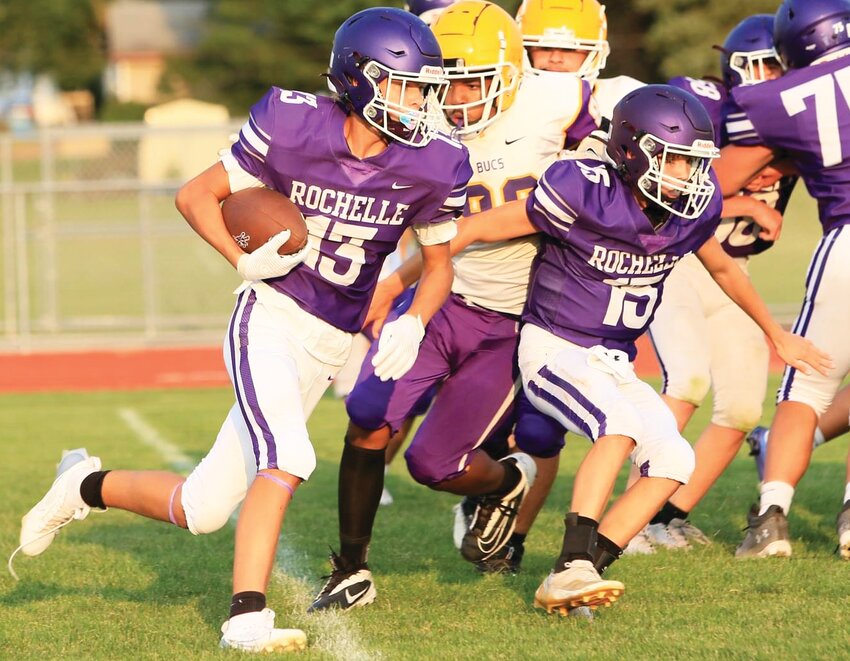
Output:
x=94 y=252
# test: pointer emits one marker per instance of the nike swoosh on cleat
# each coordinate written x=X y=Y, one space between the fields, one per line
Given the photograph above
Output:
x=351 y=598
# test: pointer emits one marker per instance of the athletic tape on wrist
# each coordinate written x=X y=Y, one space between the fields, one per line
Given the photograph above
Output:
x=279 y=482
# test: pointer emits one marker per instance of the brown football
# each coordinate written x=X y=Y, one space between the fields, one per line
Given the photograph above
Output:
x=254 y=215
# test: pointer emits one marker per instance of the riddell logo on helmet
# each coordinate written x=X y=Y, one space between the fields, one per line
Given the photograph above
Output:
x=429 y=70
x=703 y=144
x=562 y=31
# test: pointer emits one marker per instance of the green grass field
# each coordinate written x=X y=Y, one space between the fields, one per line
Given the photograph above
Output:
x=118 y=587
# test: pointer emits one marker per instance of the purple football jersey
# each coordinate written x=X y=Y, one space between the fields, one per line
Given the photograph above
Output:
x=711 y=94
x=601 y=269
x=739 y=235
x=356 y=210
x=806 y=114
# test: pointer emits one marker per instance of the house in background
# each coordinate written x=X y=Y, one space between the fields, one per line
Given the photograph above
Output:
x=140 y=35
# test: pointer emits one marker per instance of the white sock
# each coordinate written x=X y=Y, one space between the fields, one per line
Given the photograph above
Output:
x=847 y=492
x=776 y=493
x=819 y=439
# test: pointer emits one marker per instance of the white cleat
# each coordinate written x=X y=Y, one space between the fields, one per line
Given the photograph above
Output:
x=684 y=529
x=60 y=505
x=577 y=585
x=255 y=632
x=639 y=544
x=663 y=536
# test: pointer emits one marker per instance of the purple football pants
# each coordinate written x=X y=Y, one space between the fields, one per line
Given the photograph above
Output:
x=471 y=351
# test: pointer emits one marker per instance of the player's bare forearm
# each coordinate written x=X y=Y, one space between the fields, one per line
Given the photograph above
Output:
x=199 y=200
x=737 y=286
x=794 y=350
x=737 y=166
x=765 y=216
x=508 y=221
x=435 y=282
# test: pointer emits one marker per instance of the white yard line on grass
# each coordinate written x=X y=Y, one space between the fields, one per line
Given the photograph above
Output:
x=331 y=632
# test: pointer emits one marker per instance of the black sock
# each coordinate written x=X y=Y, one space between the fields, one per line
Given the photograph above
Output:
x=606 y=553
x=509 y=480
x=247 y=602
x=669 y=512
x=517 y=541
x=91 y=489
x=361 y=481
x=579 y=540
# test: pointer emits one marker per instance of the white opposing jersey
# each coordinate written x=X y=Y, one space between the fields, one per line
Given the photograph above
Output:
x=608 y=91
x=507 y=158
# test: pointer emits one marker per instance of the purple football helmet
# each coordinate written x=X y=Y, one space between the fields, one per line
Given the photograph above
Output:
x=386 y=44
x=659 y=124
x=806 y=30
x=748 y=52
x=427 y=10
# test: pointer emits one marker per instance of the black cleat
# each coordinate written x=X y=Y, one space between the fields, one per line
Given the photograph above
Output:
x=346 y=587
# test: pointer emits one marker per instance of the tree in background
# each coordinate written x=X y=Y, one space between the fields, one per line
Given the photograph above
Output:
x=251 y=44
x=681 y=33
x=63 y=39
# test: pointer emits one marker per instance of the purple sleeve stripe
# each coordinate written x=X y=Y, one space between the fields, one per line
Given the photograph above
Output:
x=257 y=129
x=247 y=150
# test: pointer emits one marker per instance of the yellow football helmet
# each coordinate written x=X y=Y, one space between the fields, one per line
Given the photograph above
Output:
x=480 y=42
x=569 y=24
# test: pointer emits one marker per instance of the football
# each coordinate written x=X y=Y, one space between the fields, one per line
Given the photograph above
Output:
x=254 y=215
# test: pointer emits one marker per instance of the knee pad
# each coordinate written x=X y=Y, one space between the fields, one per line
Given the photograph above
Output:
x=741 y=415
x=691 y=388
x=366 y=405
x=536 y=433
x=297 y=457
x=205 y=513
x=425 y=467
x=673 y=459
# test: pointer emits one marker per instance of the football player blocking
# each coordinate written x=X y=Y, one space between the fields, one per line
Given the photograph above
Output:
x=563 y=41
x=616 y=228
x=805 y=114
x=513 y=128
x=701 y=337
x=291 y=330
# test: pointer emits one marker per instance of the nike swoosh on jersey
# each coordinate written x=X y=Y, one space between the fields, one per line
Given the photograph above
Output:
x=510 y=142
x=398 y=186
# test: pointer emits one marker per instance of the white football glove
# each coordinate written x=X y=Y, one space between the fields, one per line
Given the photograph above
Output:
x=398 y=347
x=266 y=263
